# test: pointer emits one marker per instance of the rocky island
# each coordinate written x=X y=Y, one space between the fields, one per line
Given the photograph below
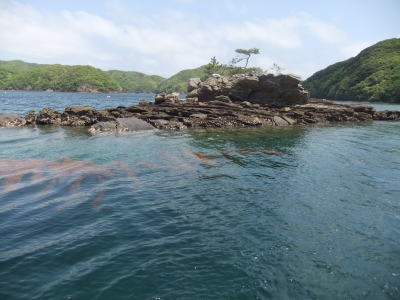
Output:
x=239 y=100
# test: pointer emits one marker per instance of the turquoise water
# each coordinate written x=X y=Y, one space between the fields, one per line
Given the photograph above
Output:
x=248 y=213
x=378 y=106
x=22 y=102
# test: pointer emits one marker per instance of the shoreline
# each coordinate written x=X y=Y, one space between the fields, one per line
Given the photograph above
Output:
x=174 y=113
x=347 y=101
x=74 y=92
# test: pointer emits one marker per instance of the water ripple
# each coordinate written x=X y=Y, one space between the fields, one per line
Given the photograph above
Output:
x=294 y=213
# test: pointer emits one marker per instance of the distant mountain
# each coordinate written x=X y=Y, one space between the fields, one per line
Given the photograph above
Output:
x=135 y=82
x=20 y=75
x=373 y=75
x=179 y=82
x=20 y=65
x=58 y=78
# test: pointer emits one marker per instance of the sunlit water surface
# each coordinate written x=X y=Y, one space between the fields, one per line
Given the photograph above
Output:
x=247 y=213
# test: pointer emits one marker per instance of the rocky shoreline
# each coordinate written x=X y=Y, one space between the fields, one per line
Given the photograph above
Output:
x=240 y=100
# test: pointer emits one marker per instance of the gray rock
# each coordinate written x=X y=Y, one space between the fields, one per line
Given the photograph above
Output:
x=256 y=89
x=80 y=116
x=279 y=121
x=132 y=125
x=163 y=124
x=30 y=117
x=143 y=102
x=223 y=99
x=289 y=120
x=11 y=120
x=103 y=127
x=194 y=83
x=160 y=98
x=265 y=122
x=247 y=104
x=169 y=98
x=79 y=110
x=48 y=116
x=200 y=116
x=249 y=120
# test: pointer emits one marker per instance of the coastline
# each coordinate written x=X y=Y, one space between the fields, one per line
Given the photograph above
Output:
x=147 y=93
x=173 y=113
x=68 y=92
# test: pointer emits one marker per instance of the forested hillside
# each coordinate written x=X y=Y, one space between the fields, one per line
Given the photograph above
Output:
x=19 y=75
x=179 y=81
x=136 y=82
x=58 y=78
x=20 y=65
x=373 y=75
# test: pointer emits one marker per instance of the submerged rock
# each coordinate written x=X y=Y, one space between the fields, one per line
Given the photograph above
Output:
x=132 y=125
x=121 y=125
x=103 y=127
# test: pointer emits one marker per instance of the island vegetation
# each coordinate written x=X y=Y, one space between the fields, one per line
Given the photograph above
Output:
x=58 y=78
x=19 y=75
x=232 y=68
x=373 y=75
x=20 y=65
x=136 y=82
x=179 y=82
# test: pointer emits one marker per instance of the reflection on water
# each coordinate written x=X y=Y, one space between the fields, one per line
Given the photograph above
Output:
x=75 y=171
x=246 y=213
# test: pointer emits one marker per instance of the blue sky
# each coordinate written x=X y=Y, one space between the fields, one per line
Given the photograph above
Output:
x=164 y=37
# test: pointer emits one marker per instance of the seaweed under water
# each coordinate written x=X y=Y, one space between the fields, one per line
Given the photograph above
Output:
x=15 y=173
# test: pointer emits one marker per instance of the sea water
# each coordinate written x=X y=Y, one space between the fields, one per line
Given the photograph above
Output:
x=295 y=212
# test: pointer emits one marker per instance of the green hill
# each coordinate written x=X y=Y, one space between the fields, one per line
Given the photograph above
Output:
x=373 y=75
x=20 y=65
x=20 y=75
x=135 y=82
x=179 y=82
x=58 y=78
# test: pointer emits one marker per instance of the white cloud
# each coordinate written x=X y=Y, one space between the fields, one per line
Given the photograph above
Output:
x=353 y=48
x=157 y=44
x=262 y=61
x=326 y=32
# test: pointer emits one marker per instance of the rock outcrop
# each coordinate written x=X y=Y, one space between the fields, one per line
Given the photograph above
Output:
x=387 y=115
x=82 y=116
x=170 y=112
x=30 y=117
x=74 y=116
x=169 y=98
x=48 y=116
x=121 y=125
x=182 y=113
x=11 y=120
x=255 y=89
